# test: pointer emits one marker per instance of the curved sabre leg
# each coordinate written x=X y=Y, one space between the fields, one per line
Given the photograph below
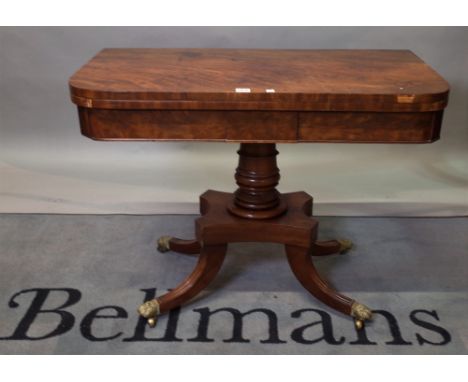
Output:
x=169 y=243
x=209 y=263
x=303 y=268
x=330 y=247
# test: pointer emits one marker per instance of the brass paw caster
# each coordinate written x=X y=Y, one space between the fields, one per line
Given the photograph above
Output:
x=345 y=245
x=361 y=313
x=150 y=311
x=163 y=244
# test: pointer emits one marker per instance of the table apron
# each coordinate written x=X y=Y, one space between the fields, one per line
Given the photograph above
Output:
x=261 y=126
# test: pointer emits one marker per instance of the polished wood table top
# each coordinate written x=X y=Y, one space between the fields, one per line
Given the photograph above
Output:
x=258 y=98
x=259 y=95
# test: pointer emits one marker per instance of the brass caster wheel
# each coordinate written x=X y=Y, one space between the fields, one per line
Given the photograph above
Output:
x=345 y=245
x=152 y=322
x=359 y=324
x=150 y=311
x=163 y=244
x=361 y=313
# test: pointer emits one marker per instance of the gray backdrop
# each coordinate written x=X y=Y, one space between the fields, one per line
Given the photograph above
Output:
x=46 y=166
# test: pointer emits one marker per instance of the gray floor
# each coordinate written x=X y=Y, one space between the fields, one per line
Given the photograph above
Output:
x=56 y=270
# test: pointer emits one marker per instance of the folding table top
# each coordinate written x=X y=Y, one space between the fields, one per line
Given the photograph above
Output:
x=245 y=79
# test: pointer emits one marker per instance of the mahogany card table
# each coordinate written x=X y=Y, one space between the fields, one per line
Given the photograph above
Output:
x=258 y=98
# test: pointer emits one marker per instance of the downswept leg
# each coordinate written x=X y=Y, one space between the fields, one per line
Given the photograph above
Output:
x=209 y=263
x=330 y=247
x=169 y=243
x=303 y=268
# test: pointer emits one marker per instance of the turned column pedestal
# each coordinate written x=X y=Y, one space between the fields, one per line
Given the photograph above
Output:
x=257 y=177
x=255 y=212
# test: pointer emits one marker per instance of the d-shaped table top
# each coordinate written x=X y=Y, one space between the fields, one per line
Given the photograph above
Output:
x=259 y=95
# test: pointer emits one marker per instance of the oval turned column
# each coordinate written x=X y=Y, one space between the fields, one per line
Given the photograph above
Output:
x=257 y=176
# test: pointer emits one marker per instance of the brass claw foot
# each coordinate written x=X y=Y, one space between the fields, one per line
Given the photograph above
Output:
x=361 y=313
x=345 y=245
x=163 y=244
x=150 y=311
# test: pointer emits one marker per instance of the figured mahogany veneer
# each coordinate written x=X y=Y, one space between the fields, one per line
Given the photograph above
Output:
x=319 y=96
x=327 y=80
x=260 y=126
x=368 y=96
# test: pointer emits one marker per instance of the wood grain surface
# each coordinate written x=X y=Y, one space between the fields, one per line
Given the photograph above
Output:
x=324 y=80
x=260 y=126
x=367 y=96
